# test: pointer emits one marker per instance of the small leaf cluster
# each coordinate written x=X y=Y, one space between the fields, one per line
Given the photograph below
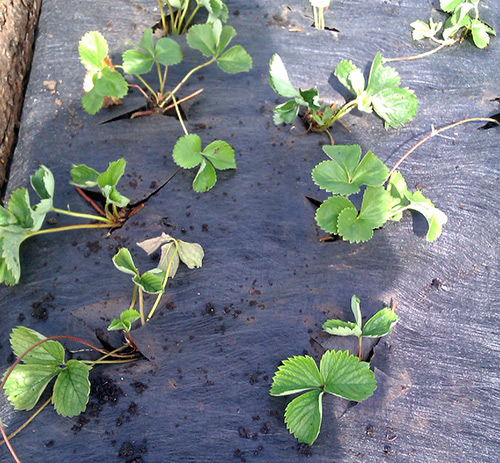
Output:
x=188 y=153
x=464 y=20
x=39 y=367
x=379 y=325
x=340 y=374
x=383 y=94
x=86 y=177
x=344 y=174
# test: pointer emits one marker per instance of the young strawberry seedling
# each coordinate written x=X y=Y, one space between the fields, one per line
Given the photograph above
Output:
x=20 y=220
x=340 y=374
x=463 y=22
x=383 y=94
x=153 y=281
x=320 y=7
x=178 y=10
x=379 y=325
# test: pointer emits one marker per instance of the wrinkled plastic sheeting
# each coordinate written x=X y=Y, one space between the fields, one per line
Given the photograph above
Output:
x=267 y=283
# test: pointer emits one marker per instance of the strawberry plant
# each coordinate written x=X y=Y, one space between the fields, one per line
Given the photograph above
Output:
x=382 y=95
x=20 y=220
x=319 y=9
x=178 y=10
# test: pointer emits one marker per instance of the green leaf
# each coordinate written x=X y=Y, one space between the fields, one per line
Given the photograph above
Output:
x=227 y=34
x=49 y=353
x=286 y=112
x=110 y=83
x=168 y=52
x=72 y=389
x=11 y=238
x=450 y=5
x=151 y=282
x=422 y=30
x=84 y=176
x=345 y=376
x=123 y=261
x=380 y=324
x=136 y=62
x=220 y=154
x=201 y=37
x=116 y=325
x=235 y=60
x=460 y=18
x=309 y=98
x=92 y=102
x=341 y=328
x=382 y=77
x=127 y=317
x=169 y=258
x=191 y=254
x=351 y=77
x=436 y=219
x=19 y=206
x=147 y=43
x=112 y=175
x=113 y=196
x=303 y=416
x=93 y=48
x=296 y=374
x=279 y=80
x=187 y=151
x=27 y=382
x=374 y=213
x=480 y=33
x=328 y=213
x=343 y=175
x=396 y=106
x=356 y=310
x=43 y=183
x=206 y=177
x=216 y=10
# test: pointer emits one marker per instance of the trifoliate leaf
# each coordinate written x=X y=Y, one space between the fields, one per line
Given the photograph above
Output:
x=296 y=374
x=110 y=83
x=11 y=238
x=92 y=102
x=84 y=176
x=422 y=30
x=227 y=34
x=19 y=206
x=460 y=18
x=286 y=112
x=382 y=77
x=328 y=213
x=151 y=282
x=279 y=80
x=43 y=183
x=396 y=106
x=351 y=77
x=27 y=382
x=450 y=5
x=47 y=353
x=235 y=60
x=168 y=52
x=356 y=310
x=220 y=154
x=217 y=10
x=127 y=317
x=72 y=389
x=480 y=33
x=436 y=219
x=191 y=254
x=113 y=196
x=137 y=62
x=112 y=175
x=345 y=376
x=303 y=416
x=309 y=98
x=124 y=262
x=201 y=37
x=187 y=151
x=206 y=177
x=341 y=328
x=375 y=212
x=93 y=48
x=343 y=175
x=380 y=324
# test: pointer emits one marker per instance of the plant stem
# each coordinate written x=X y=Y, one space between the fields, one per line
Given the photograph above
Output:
x=347 y=108
x=182 y=100
x=315 y=13
x=148 y=87
x=74 y=227
x=160 y=77
x=360 y=348
x=165 y=73
x=6 y=439
x=188 y=22
x=171 y=16
x=163 y=21
x=332 y=141
x=134 y=298
x=422 y=55
x=179 y=115
x=186 y=77
x=141 y=305
x=158 y=298
x=183 y=15
x=80 y=215
x=435 y=132
x=321 y=18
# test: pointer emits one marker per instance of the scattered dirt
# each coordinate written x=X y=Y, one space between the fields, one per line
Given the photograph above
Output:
x=40 y=309
x=104 y=389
